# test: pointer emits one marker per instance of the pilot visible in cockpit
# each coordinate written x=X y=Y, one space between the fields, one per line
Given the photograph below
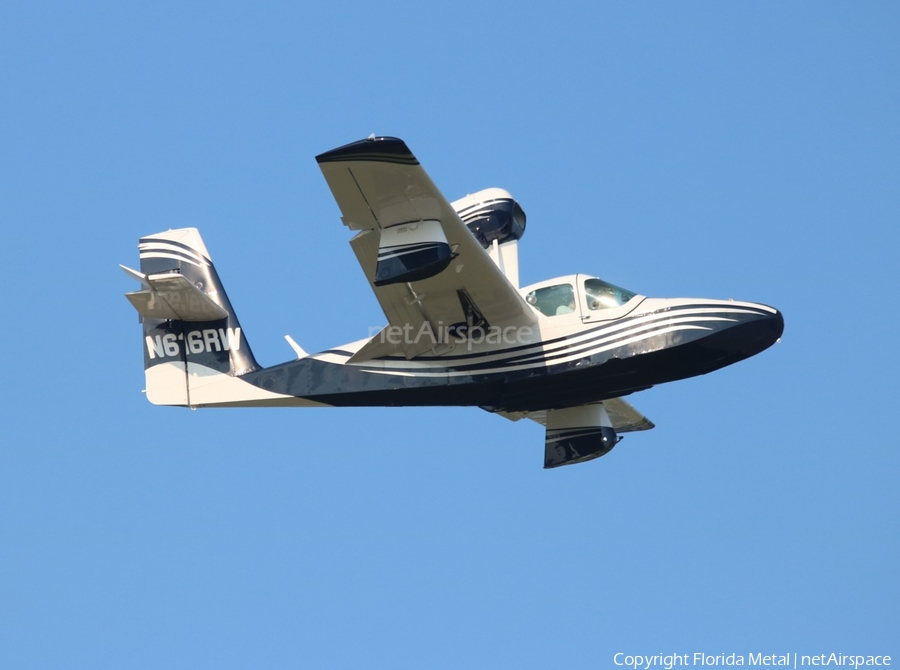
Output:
x=566 y=309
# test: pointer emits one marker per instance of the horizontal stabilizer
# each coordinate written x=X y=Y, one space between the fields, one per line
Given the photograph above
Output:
x=172 y=296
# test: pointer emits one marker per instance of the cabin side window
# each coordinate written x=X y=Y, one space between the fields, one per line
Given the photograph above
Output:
x=602 y=295
x=553 y=300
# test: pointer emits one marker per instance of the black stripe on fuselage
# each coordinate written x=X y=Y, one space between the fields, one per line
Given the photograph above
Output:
x=624 y=328
x=564 y=338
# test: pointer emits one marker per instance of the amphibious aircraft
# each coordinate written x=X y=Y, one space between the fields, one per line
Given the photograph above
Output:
x=461 y=331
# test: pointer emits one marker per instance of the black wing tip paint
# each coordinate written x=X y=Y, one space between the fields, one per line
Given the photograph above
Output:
x=380 y=149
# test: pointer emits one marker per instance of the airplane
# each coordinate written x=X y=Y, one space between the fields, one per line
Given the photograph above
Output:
x=460 y=332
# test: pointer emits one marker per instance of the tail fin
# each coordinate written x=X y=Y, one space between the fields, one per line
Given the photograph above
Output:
x=193 y=341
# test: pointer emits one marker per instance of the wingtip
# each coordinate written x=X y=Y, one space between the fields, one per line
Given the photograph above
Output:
x=380 y=149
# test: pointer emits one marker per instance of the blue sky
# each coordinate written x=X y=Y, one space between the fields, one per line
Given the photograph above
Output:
x=721 y=150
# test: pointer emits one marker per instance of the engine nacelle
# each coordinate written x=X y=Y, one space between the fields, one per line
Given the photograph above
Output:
x=492 y=215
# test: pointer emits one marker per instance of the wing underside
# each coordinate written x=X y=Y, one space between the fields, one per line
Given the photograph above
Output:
x=381 y=189
x=623 y=415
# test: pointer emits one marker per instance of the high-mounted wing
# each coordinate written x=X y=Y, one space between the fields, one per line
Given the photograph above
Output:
x=422 y=262
x=623 y=415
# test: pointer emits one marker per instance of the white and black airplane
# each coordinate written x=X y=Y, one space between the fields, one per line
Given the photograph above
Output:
x=460 y=330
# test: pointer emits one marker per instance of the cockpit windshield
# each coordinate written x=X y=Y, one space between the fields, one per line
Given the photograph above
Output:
x=603 y=295
x=568 y=297
x=553 y=300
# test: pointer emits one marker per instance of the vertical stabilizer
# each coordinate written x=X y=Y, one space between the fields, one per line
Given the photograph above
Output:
x=192 y=337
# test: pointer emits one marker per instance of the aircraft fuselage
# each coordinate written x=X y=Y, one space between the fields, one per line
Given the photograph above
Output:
x=567 y=362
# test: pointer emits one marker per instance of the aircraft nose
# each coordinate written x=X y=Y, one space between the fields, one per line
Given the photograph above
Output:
x=757 y=332
x=778 y=324
x=753 y=328
x=773 y=321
